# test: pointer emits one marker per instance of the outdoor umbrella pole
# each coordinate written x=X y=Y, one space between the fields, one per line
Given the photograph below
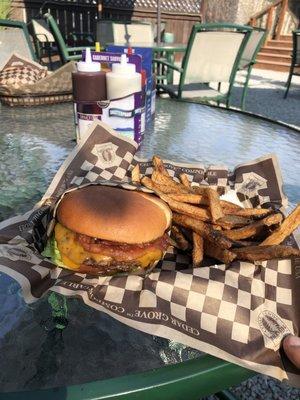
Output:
x=99 y=9
x=158 y=21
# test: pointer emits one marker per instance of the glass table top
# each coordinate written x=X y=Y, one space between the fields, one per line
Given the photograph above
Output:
x=92 y=346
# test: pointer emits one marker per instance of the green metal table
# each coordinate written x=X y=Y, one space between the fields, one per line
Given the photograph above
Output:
x=168 y=48
x=59 y=348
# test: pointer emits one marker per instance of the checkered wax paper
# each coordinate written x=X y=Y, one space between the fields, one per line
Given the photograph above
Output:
x=238 y=312
x=21 y=76
x=20 y=73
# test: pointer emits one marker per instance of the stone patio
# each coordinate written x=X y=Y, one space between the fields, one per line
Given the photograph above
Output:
x=265 y=95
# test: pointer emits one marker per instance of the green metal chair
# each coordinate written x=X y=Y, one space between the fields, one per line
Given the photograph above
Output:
x=15 y=38
x=213 y=55
x=248 y=58
x=295 y=61
x=66 y=53
x=133 y=33
x=43 y=40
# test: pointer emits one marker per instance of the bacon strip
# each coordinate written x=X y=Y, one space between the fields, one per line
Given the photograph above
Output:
x=122 y=251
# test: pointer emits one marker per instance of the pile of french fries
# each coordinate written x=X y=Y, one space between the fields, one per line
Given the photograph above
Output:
x=207 y=226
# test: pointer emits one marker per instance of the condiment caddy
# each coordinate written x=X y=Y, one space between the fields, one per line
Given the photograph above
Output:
x=111 y=87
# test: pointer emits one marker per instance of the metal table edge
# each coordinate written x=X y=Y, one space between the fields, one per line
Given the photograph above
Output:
x=191 y=379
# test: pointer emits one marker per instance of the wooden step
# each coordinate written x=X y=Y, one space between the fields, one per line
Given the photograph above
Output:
x=288 y=38
x=278 y=43
x=262 y=56
x=277 y=50
x=273 y=66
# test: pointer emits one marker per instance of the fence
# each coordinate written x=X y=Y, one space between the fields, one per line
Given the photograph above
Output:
x=81 y=15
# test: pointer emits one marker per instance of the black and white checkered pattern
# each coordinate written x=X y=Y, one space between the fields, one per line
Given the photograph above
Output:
x=207 y=299
x=243 y=309
x=215 y=176
x=18 y=72
x=18 y=76
x=92 y=173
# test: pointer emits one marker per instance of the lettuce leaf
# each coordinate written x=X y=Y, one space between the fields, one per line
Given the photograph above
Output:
x=51 y=251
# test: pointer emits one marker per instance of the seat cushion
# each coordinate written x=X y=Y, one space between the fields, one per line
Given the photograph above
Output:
x=194 y=90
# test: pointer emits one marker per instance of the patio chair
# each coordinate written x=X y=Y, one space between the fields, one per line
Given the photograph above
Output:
x=133 y=33
x=295 y=65
x=15 y=39
x=248 y=58
x=43 y=39
x=66 y=53
x=213 y=55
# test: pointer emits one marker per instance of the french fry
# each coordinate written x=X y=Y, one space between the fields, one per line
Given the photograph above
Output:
x=214 y=251
x=214 y=205
x=161 y=179
x=201 y=189
x=135 y=174
x=203 y=229
x=228 y=206
x=187 y=209
x=253 y=229
x=189 y=198
x=233 y=221
x=287 y=227
x=201 y=199
x=180 y=240
x=218 y=228
x=197 y=249
x=184 y=180
x=162 y=188
x=260 y=253
x=149 y=184
x=250 y=212
x=159 y=165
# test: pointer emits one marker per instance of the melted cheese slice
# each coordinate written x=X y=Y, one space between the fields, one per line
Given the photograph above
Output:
x=73 y=254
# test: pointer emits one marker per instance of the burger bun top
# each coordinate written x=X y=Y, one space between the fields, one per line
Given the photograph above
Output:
x=114 y=214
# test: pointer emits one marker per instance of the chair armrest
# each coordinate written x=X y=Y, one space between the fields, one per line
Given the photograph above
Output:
x=167 y=64
x=70 y=49
x=74 y=57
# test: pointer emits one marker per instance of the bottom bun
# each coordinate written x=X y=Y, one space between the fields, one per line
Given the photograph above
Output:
x=134 y=271
x=114 y=270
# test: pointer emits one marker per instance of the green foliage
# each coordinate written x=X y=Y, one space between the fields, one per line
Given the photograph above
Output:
x=5 y=8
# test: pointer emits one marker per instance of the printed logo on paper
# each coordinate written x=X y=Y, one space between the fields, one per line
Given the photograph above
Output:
x=272 y=327
x=15 y=253
x=106 y=154
x=251 y=183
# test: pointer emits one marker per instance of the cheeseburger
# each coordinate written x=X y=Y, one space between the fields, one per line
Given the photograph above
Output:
x=104 y=230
